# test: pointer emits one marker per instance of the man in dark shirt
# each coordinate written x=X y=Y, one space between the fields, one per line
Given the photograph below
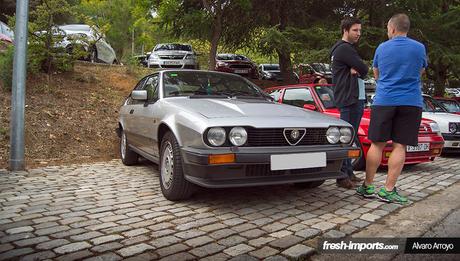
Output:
x=347 y=69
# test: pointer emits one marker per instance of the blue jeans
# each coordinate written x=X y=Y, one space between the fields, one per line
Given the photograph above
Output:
x=351 y=114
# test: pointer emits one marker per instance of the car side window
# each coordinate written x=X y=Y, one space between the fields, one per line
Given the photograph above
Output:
x=298 y=97
x=151 y=86
x=275 y=94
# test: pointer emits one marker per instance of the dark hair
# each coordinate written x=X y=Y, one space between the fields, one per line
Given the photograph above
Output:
x=348 y=22
x=401 y=22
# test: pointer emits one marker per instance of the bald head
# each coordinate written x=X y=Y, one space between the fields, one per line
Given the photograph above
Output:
x=400 y=22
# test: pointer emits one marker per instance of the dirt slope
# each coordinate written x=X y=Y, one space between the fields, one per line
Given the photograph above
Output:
x=72 y=118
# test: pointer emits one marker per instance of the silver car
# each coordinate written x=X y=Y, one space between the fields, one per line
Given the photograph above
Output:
x=218 y=130
x=90 y=39
x=173 y=55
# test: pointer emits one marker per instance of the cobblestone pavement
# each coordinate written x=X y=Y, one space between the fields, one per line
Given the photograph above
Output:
x=108 y=211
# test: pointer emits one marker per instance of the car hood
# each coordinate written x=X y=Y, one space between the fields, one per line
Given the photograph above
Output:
x=259 y=110
x=442 y=118
x=366 y=118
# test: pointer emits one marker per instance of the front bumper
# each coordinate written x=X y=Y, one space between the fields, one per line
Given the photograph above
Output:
x=451 y=141
x=180 y=64
x=435 y=142
x=252 y=166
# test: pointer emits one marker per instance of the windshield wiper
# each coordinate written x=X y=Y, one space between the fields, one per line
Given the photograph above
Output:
x=209 y=96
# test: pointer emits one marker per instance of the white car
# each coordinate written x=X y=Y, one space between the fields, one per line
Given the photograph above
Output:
x=90 y=39
x=449 y=123
x=173 y=55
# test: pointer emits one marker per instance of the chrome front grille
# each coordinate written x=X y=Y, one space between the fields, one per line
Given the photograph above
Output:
x=171 y=57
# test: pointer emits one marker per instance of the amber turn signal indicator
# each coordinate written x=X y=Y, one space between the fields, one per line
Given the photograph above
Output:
x=221 y=158
x=354 y=153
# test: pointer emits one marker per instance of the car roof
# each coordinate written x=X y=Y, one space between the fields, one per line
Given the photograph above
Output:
x=299 y=85
x=444 y=98
x=75 y=27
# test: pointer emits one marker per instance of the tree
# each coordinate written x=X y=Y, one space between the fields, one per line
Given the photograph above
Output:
x=208 y=20
x=44 y=53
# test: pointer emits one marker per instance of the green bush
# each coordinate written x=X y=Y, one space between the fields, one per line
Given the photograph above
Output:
x=6 y=68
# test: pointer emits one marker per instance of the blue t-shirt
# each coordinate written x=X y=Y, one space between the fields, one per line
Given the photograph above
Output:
x=399 y=61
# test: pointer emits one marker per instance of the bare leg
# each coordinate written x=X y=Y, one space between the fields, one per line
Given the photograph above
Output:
x=374 y=157
x=395 y=165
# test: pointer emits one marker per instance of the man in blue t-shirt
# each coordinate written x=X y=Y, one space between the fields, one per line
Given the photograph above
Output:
x=397 y=109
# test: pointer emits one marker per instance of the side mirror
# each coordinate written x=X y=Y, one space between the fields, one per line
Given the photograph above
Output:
x=310 y=107
x=139 y=95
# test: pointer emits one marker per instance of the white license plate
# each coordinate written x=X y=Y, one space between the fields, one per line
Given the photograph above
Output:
x=298 y=161
x=241 y=71
x=419 y=147
x=172 y=62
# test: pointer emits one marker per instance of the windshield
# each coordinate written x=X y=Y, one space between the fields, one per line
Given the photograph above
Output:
x=231 y=57
x=326 y=95
x=430 y=105
x=271 y=67
x=451 y=106
x=208 y=85
x=177 y=47
x=321 y=67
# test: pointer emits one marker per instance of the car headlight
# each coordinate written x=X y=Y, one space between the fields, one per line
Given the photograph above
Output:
x=238 y=136
x=221 y=64
x=333 y=135
x=346 y=135
x=453 y=128
x=154 y=57
x=435 y=127
x=216 y=136
x=190 y=56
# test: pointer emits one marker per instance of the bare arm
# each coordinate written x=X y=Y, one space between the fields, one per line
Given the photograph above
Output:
x=376 y=73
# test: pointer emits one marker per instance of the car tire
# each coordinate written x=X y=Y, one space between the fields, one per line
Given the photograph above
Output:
x=173 y=184
x=128 y=157
x=310 y=184
x=360 y=163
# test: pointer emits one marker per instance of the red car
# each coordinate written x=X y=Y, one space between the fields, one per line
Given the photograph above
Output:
x=320 y=98
x=238 y=64
x=450 y=104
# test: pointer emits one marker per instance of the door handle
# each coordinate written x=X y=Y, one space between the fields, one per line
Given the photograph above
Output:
x=131 y=111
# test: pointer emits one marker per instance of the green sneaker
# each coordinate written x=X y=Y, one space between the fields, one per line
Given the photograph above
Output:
x=391 y=196
x=366 y=191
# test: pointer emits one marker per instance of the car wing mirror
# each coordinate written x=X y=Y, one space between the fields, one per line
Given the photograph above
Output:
x=310 y=107
x=139 y=95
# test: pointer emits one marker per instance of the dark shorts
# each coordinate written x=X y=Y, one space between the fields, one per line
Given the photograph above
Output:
x=397 y=123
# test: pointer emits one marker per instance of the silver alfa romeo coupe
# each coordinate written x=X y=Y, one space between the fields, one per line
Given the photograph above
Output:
x=219 y=130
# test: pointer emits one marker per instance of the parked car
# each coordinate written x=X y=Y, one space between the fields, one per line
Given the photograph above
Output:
x=450 y=104
x=219 y=130
x=312 y=73
x=454 y=93
x=237 y=64
x=6 y=36
x=88 y=39
x=143 y=59
x=173 y=55
x=449 y=123
x=320 y=98
x=272 y=72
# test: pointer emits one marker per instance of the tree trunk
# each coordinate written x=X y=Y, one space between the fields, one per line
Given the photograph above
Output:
x=284 y=54
x=216 y=33
x=216 y=10
x=440 y=80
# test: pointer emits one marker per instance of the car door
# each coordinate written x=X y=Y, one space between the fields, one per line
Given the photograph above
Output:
x=145 y=118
